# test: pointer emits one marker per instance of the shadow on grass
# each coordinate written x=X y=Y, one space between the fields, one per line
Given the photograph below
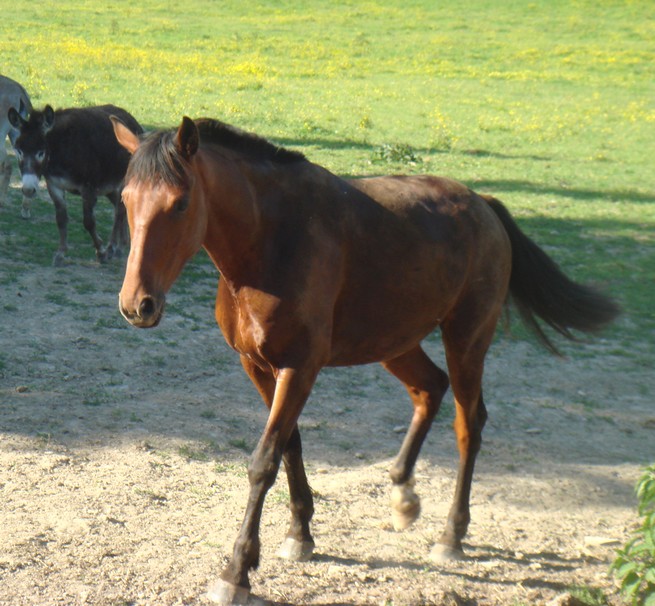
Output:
x=565 y=192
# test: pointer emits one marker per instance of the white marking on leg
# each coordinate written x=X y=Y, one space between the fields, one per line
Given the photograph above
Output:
x=405 y=505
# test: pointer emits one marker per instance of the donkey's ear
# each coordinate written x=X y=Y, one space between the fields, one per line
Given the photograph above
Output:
x=187 y=138
x=124 y=135
x=15 y=119
x=48 y=118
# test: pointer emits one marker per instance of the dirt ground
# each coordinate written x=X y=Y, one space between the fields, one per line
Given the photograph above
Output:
x=123 y=460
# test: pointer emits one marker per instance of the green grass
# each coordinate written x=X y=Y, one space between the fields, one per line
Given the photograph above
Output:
x=550 y=106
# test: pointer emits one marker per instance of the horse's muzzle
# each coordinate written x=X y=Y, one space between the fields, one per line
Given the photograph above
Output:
x=147 y=314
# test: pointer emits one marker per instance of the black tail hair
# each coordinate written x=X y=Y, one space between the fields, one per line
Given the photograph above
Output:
x=539 y=288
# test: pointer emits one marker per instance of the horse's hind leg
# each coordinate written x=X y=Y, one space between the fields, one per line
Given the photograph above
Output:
x=299 y=544
x=426 y=384
x=466 y=344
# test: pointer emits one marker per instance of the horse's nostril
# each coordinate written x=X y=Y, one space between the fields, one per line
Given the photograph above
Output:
x=146 y=307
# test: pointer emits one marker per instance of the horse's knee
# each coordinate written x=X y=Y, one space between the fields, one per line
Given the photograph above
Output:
x=262 y=470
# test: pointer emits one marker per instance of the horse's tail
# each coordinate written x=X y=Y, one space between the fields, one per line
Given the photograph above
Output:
x=539 y=288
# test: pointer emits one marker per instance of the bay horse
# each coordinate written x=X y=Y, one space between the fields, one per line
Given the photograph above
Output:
x=75 y=150
x=320 y=271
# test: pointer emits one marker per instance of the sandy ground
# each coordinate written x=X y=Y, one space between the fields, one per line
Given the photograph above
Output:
x=123 y=460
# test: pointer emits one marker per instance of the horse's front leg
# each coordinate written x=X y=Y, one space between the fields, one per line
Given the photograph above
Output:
x=292 y=387
x=299 y=544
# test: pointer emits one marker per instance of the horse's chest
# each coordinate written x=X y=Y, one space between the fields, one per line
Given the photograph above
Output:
x=244 y=324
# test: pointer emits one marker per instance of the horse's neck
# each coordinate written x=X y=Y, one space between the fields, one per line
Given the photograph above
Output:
x=233 y=222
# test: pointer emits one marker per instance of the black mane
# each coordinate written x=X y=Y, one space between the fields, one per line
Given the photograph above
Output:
x=248 y=144
x=157 y=158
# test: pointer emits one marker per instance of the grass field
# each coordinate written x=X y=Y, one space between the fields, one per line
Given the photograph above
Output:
x=550 y=106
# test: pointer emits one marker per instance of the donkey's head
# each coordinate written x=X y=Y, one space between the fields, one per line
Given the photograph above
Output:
x=31 y=145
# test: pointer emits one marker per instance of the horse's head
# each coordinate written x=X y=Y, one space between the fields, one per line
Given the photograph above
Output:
x=31 y=145
x=166 y=215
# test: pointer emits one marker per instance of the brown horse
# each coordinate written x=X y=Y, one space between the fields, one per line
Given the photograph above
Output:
x=319 y=271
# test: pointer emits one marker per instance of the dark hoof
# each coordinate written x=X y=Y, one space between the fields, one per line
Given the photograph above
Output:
x=227 y=594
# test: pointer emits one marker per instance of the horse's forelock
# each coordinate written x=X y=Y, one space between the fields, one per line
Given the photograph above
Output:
x=157 y=160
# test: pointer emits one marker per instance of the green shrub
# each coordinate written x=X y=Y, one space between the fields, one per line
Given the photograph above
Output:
x=634 y=565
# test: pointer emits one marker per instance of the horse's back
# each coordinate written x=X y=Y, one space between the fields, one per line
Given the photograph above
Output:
x=414 y=247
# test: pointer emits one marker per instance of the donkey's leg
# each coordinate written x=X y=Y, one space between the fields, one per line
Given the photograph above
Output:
x=426 y=384
x=466 y=344
x=291 y=391
x=299 y=544
x=26 y=208
x=58 y=197
x=119 y=230
x=5 y=172
x=89 y=199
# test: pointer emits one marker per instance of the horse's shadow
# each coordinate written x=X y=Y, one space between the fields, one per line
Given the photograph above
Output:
x=548 y=560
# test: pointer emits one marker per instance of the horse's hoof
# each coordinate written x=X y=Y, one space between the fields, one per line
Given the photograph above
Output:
x=59 y=260
x=297 y=551
x=25 y=213
x=441 y=554
x=405 y=505
x=227 y=594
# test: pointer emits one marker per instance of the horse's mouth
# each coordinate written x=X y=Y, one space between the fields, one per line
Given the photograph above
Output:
x=147 y=315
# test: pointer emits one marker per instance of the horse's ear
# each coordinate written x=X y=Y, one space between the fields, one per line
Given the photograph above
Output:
x=15 y=119
x=124 y=135
x=48 y=118
x=187 y=138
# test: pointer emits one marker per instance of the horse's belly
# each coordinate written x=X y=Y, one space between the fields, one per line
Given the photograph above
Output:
x=379 y=331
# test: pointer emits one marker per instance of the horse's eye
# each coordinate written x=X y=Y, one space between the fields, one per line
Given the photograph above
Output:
x=19 y=154
x=181 y=204
x=40 y=155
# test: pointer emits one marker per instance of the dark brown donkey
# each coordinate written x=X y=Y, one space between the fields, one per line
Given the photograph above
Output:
x=75 y=150
x=318 y=271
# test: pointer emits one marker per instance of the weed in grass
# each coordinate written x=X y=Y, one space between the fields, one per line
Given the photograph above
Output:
x=591 y=596
x=57 y=298
x=397 y=153
x=634 y=565
x=191 y=453
x=280 y=496
x=240 y=444
x=114 y=322
x=238 y=469
x=152 y=496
